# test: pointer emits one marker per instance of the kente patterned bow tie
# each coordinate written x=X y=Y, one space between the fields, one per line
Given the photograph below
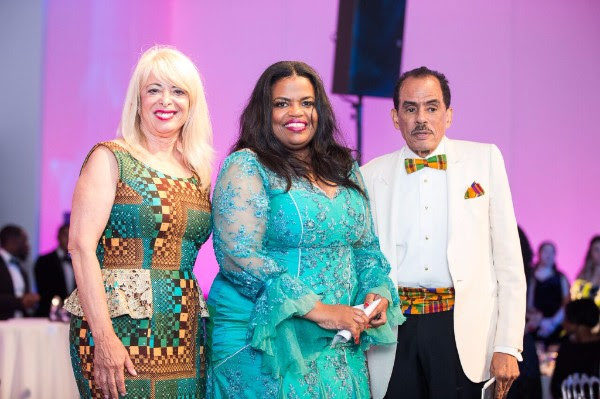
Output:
x=435 y=162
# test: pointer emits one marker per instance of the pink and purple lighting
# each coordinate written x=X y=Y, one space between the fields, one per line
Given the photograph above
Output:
x=523 y=76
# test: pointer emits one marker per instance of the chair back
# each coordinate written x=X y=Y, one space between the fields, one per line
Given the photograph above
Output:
x=580 y=386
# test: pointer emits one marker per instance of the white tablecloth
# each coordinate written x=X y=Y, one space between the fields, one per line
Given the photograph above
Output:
x=34 y=360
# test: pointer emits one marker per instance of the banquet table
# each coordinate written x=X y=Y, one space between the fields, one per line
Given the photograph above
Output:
x=34 y=360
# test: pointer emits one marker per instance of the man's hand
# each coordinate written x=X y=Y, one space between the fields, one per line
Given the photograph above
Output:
x=505 y=368
x=546 y=327
x=534 y=318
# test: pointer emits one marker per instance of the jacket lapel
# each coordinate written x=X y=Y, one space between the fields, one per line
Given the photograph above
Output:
x=4 y=271
x=454 y=171
x=391 y=179
x=5 y=278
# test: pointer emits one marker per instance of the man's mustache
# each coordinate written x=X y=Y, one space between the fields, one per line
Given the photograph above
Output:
x=418 y=130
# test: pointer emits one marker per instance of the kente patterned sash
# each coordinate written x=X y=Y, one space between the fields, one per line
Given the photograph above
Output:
x=436 y=162
x=425 y=300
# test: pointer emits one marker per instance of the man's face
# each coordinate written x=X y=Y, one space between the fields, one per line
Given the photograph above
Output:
x=547 y=254
x=422 y=116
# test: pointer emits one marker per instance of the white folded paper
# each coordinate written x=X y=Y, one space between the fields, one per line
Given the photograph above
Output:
x=489 y=389
x=345 y=335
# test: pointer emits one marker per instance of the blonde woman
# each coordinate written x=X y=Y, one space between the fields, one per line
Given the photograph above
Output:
x=141 y=211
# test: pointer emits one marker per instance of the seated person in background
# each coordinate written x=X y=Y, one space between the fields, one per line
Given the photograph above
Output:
x=16 y=300
x=580 y=352
x=54 y=273
x=548 y=292
x=588 y=280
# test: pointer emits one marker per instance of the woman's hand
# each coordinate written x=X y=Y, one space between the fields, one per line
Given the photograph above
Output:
x=546 y=327
x=379 y=315
x=110 y=360
x=534 y=318
x=339 y=317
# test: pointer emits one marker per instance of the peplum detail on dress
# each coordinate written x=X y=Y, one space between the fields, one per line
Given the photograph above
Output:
x=128 y=292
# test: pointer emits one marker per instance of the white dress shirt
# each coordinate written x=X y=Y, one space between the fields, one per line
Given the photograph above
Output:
x=422 y=239
x=16 y=276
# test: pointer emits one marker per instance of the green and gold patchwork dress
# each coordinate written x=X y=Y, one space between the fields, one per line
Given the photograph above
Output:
x=147 y=253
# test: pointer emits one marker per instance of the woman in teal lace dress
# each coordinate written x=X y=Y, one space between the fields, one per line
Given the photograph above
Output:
x=295 y=244
x=141 y=211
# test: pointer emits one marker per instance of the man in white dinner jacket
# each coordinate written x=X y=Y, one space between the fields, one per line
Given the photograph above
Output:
x=445 y=220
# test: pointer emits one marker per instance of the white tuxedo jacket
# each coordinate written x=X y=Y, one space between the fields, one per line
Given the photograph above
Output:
x=484 y=254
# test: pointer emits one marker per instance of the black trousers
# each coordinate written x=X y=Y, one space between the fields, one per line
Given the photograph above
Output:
x=427 y=364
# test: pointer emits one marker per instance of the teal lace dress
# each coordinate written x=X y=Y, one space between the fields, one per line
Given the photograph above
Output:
x=279 y=253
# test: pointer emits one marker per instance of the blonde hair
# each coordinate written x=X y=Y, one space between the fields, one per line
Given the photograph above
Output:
x=172 y=66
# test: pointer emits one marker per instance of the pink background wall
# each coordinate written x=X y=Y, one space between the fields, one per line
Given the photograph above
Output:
x=522 y=74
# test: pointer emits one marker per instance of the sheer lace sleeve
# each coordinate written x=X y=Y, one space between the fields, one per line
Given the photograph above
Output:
x=373 y=268
x=240 y=214
x=240 y=207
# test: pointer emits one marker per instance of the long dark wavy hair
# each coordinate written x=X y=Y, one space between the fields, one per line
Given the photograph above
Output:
x=328 y=160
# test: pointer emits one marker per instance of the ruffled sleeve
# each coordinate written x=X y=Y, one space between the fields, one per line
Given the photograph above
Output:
x=373 y=270
x=240 y=211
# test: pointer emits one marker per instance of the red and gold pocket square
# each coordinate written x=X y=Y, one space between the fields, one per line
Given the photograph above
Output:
x=474 y=191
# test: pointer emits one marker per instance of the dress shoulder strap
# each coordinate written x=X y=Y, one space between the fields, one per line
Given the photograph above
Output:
x=117 y=150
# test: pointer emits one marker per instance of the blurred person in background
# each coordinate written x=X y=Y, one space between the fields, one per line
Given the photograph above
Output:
x=580 y=350
x=54 y=273
x=529 y=384
x=526 y=252
x=16 y=298
x=141 y=211
x=588 y=280
x=548 y=292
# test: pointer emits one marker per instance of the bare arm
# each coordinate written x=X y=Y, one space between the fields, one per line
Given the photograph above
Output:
x=92 y=202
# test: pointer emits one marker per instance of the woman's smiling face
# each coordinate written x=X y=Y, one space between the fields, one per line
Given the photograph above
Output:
x=294 y=118
x=164 y=107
